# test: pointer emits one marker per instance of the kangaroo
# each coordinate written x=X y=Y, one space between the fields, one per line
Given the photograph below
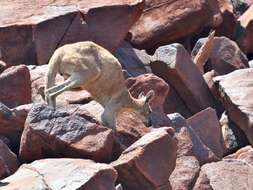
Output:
x=88 y=66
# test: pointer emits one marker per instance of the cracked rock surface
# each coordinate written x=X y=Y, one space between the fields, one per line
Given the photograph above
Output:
x=64 y=174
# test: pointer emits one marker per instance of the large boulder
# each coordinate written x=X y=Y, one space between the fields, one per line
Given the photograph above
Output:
x=61 y=133
x=31 y=36
x=160 y=24
x=148 y=163
x=175 y=66
x=236 y=90
x=145 y=83
x=225 y=56
x=15 y=86
x=189 y=143
x=206 y=125
x=185 y=173
x=8 y=161
x=226 y=174
x=64 y=173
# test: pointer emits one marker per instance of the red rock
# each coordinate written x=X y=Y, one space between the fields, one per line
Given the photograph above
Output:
x=175 y=66
x=207 y=126
x=175 y=104
x=225 y=56
x=61 y=133
x=145 y=83
x=235 y=90
x=15 y=86
x=135 y=62
x=148 y=163
x=245 y=39
x=31 y=36
x=63 y=174
x=185 y=174
x=165 y=25
x=228 y=26
x=245 y=154
x=8 y=161
x=11 y=126
x=226 y=174
x=189 y=143
x=130 y=128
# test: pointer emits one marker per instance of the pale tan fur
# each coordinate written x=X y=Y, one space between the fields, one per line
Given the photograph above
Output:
x=89 y=66
x=203 y=53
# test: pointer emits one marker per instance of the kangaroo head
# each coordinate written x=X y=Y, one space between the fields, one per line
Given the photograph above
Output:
x=144 y=108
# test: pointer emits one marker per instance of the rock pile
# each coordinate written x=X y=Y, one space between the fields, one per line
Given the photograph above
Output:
x=201 y=132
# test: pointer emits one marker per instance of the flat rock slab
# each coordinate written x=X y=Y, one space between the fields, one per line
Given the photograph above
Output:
x=31 y=35
x=148 y=163
x=225 y=175
x=62 y=174
x=236 y=90
x=61 y=133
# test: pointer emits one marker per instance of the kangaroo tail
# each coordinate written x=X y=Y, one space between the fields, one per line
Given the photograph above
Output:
x=53 y=68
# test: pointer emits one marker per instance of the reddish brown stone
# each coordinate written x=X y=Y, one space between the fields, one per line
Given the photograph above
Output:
x=245 y=40
x=62 y=173
x=160 y=24
x=207 y=126
x=175 y=66
x=235 y=90
x=31 y=36
x=8 y=161
x=226 y=174
x=130 y=128
x=15 y=86
x=189 y=143
x=145 y=83
x=148 y=163
x=61 y=133
x=185 y=174
x=225 y=56
x=228 y=26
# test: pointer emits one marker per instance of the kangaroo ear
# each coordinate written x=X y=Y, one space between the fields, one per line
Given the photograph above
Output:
x=141 y=95
x=149 y=96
